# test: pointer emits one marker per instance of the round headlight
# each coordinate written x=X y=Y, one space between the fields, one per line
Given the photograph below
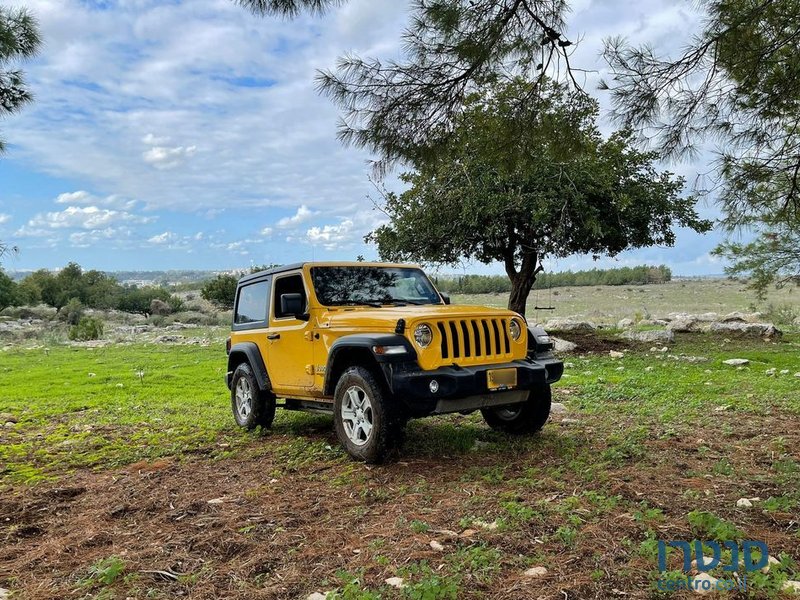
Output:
x=423 y=336
x=514 y=329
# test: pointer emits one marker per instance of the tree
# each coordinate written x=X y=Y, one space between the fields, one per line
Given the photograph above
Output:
x=773 y=258
x=519 y=181
x=221 y=290
x=737 y=84
x=8 y=291
x=19 y=40
x=404 y=110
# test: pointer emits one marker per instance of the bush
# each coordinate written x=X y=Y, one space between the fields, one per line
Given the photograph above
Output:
x=221 y=290
x=88 y=328
x=159 y=307
x=71 y=312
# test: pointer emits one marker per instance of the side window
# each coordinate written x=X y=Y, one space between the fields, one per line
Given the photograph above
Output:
x=253 y=303
x=291 y=284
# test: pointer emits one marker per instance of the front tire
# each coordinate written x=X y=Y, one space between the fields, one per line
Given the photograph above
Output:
x=525 y=418
x=251 y=406
x=366 y=423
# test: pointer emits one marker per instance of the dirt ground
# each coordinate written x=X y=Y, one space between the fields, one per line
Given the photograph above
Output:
x=250 y=527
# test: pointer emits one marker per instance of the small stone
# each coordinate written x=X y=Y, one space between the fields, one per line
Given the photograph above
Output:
x=6 y=417
x=569 y=421
x=468 y=533
x=556 y=408
x=648 y=369
x=620 y=368
x=9 y=424
x=396 y=582
x=216 y=501
x=770 y=372
x=92 y=374
x=436 y=546
x=615 y=354
x=562 y=346
x=791 y=586
x=625 y=323
x=569 y=365
x=770 y=561
x=699 y=585
x=316 y=596
x=784 y=371
x=535 y=572
x=120 y=385
x=736 y=362
x=797 y=374
x=4 y=593
x=722 y=408
x=484 y=525
x=744 y=503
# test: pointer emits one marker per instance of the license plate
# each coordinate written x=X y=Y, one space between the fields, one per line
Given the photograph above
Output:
x=501 y=379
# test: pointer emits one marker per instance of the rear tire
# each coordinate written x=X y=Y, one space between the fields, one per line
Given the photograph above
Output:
x=525 y=418
x=251 y=406
x=367 y=424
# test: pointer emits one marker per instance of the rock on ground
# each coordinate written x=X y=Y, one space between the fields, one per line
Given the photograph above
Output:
x=556 y=408
x=7 y=418
x=650 y=337
x=535 y=572
x=625 y=324
x=569 y=325
x=615 y=354
x=744 y=503
x=684 y=325
x=746 y=329
x=562 y=346
x=792 y=586
x=736 y=362
x=712 y=587
x=396 y=582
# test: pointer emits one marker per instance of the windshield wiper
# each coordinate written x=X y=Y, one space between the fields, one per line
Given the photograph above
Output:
x=359 y=303
x=405 y=302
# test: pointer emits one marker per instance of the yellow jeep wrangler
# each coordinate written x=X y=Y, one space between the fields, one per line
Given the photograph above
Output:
x=376 y=344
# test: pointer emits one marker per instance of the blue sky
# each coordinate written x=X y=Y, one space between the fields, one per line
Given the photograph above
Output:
x=187 y=134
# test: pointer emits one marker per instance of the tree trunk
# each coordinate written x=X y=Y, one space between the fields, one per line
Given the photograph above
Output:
x=522 y=280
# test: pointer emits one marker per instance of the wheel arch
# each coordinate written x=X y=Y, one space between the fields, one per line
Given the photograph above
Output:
x=248 y=352
x=357 y=350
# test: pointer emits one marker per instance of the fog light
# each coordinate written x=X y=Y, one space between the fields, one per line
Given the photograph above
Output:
x=433 y=386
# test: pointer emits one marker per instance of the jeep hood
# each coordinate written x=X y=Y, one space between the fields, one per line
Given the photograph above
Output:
x=385 y=319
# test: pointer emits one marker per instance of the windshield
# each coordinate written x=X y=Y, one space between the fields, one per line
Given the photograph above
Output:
x=354 y=285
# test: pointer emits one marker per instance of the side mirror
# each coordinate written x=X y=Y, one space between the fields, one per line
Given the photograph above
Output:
x=292 y=305
x=445 y=297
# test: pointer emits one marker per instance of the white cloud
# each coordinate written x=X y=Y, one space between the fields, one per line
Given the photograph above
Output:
x=85 y=239
x=162 y=238
x=152 y=140
x=332 y=236
x=162 y=157
x=83 y=198
x=88 y=217
x=4 y=218
x=302 y=215
x=267 y=231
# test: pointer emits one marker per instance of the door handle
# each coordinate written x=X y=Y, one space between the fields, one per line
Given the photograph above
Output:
x=274 y=336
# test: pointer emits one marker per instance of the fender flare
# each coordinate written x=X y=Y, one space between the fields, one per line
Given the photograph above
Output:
x=248 y=352
x=363 y=344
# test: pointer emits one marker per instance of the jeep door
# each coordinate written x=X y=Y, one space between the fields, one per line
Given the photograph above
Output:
x=290 y=351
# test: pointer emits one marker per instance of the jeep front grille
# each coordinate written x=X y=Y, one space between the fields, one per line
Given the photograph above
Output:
x=474 y=340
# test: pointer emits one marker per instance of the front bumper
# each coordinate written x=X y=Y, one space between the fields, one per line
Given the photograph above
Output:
x=465 y=388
